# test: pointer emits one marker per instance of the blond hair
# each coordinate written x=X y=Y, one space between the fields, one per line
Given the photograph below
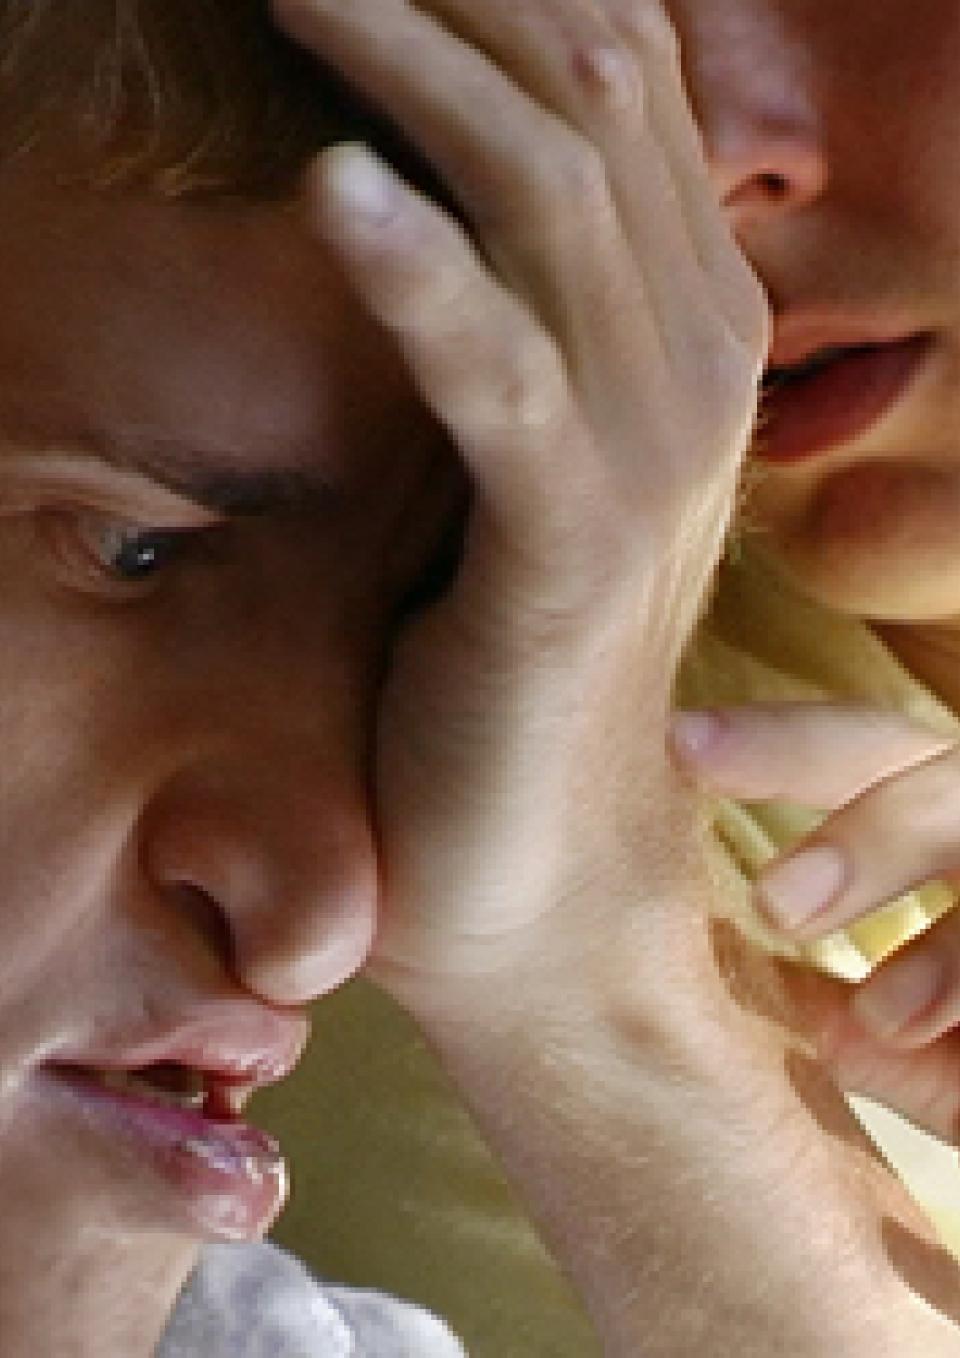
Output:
x=178 y=97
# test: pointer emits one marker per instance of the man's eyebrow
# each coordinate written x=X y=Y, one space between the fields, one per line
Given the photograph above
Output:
x=222 y=481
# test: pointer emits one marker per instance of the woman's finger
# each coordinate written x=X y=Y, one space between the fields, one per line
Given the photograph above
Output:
x=645 y=26
x=820 y=755
x=899 y=833
x=491 y=376
x=913 y=998
x=624 y=92
x=922 y=1085
x=535 y=191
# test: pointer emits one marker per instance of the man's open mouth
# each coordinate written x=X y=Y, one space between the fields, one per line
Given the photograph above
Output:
x=171 y=1084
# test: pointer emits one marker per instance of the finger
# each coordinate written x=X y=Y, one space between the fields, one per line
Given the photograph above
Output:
x=570 y=58
x=491 y=376
x=922 y=1085
x=820 y=755
x=899 y=833
x=535 y=191
x=913 y=998
x=646 y=27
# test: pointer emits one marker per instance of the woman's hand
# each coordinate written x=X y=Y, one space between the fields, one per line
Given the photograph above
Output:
x=893 y=790
x=593 y=345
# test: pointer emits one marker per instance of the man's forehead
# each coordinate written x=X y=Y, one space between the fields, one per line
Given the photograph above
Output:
x=173 y=333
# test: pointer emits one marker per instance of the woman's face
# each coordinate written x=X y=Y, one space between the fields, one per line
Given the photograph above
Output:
x=853 y=109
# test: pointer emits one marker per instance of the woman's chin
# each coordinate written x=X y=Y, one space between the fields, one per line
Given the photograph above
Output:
x=876 y=540
x=909 y=585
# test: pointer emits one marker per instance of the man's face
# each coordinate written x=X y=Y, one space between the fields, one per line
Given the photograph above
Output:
x=855 y=104
x=186 y=693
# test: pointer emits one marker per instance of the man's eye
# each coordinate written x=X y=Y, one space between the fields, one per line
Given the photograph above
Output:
x=103 y=552
x=438 y=574
x=132 y=554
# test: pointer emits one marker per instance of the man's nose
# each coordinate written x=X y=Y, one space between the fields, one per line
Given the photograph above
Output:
x=282 y=854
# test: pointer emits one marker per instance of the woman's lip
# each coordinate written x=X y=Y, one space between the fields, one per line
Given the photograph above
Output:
x=840 y=402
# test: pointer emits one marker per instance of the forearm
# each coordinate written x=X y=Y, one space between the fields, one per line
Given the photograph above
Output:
x=681 y=1178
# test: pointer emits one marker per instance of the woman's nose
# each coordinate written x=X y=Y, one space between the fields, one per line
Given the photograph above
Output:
x=766 y=168
x=284 y=855
x=760 y=110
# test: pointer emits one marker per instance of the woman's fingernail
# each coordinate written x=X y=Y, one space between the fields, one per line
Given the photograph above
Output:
x=899 y=992
x=693 y=732
x=803 y=885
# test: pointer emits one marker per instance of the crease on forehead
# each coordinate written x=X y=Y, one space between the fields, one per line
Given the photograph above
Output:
x=247 y=378
x=283 y=477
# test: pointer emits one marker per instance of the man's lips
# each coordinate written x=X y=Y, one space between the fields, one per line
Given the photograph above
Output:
x=170 y=1098
x=220 y=1178
x=813 y=411
x=236 y=1044
x=225 y=1055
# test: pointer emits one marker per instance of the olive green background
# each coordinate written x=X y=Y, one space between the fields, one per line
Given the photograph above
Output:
x=393 y=1188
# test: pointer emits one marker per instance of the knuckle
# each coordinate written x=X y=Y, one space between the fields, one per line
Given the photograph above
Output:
x=755 y=320
x=531 y=392
x=742 y=299
x=647 y=25
x=441 y=291
x=422 y=301
x=606 y=73
x=724 y=371
x=574 y=173
x=898 y=807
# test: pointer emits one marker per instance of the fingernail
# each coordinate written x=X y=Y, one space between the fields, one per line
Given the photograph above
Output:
x=899 y=992
x=803 y=885
x=693 y=732
x=362 y=184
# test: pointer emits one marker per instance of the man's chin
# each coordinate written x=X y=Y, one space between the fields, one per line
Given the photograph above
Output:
x=88 y=1265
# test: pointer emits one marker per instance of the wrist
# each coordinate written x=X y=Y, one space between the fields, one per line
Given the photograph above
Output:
x=674 y=1123
x=624 y=944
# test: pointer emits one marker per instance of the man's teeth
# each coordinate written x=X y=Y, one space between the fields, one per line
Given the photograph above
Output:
x=821 y=360
x=177 y=1087
x=815 y=364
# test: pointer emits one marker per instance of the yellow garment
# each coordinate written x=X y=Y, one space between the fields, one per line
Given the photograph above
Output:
x=764 y=641
x=393 y=1187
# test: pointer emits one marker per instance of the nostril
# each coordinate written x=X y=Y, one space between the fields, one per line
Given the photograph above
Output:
x=205 y=916
x=766 y=165
x=775 y=185
x=270 y=869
